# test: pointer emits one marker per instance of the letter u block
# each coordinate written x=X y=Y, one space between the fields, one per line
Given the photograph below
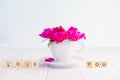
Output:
x=104 y=64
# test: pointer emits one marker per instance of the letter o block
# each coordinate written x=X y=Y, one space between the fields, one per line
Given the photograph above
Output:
x=18 y=64
x=97 y=64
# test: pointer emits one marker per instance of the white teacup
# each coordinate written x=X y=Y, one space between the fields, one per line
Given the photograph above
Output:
x=65 y=50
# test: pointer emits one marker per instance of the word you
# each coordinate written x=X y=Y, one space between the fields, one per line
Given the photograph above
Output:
x=96 y=64
x=20 y=64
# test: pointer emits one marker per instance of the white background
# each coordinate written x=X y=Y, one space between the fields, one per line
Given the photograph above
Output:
x=22 y=20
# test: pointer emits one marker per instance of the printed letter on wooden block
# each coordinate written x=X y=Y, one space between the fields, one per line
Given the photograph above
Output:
x=18 y=64
x=9 y=64
x=35 y=64
x=27 y=64
x=97 y=64
x=89 y=64
x=104 y=64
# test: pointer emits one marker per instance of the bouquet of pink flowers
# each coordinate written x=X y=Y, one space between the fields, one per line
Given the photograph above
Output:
x=58 y=34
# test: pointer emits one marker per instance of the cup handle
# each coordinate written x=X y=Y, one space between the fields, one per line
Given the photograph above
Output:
x=80 y=47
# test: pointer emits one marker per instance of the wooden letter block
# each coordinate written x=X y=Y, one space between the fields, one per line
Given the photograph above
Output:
x=97 y=64
x=89 y=64
x=104 y=64
x=18 y=64
x=27 y=64
x=9 y=64
x=35 y=64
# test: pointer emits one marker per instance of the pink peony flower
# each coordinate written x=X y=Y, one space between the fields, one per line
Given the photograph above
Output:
x=59 y=29
x=58 y=34
x=73 y=29
x=73 y=34
x=46 y=33
x=82 y=35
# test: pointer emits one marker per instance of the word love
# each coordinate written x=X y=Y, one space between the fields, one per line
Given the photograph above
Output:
x=96 y=64
x=22 y=64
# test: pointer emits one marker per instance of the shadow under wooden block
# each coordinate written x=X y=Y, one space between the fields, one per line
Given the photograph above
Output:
x=18 y=64
x=89 y=64
x=9 y=64
x=27 y=64
x=35 y=64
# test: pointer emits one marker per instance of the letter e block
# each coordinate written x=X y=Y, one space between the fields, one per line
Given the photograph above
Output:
x=35 y=64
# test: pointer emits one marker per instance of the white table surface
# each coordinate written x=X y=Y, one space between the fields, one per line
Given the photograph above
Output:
x=111 y=55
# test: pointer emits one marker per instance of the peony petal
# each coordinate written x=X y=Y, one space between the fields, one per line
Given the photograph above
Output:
x=49 y=59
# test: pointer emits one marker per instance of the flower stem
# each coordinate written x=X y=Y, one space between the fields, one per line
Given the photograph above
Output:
x=43 y=40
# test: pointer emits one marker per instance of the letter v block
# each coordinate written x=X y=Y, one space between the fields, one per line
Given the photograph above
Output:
x=27 y=64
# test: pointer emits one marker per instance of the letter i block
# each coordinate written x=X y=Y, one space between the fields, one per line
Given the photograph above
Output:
x=89 y=64
x=35 y=64
x=18 y=64
x=9 y=64
x=104 y=64
x=27 y=64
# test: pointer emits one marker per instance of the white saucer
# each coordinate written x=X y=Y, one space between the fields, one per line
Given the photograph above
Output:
x=57 y=64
